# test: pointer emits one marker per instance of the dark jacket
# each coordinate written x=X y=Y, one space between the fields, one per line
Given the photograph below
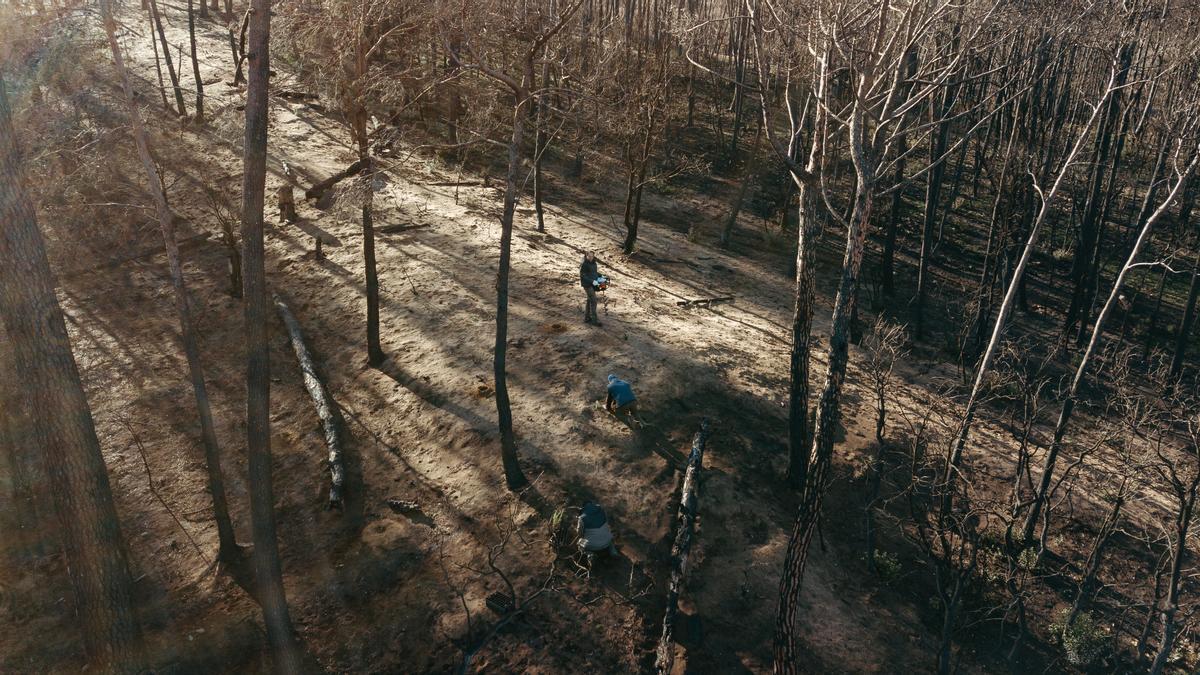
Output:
x=588 y=272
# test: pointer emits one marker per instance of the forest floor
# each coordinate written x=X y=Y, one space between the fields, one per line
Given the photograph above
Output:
x=373 y=589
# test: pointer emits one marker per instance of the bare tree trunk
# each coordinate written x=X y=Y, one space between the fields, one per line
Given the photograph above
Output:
x=1185 y=324
x=1006 y=307
x=513 y=476
x=828 y=407
x=228 y=552
x=1087 y=582
x=1068 y=404
x=375 y=354
x=88 y=527
x=162 y=88
x=196 y=61
x=1170 y=607
x=166 y=48
x=17 y=442
x=736 y=207
x=802 y=312
x=267 y=566
x=1081 y=267
x=539 y=148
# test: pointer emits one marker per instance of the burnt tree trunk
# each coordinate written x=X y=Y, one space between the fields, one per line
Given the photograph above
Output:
x=268 y=569
x=736 y=207
x=637 y=182
x=166 y=51
x=933 y=193
x=1087 y=583
x=1042 y=493
x=514 y=478
x=18 y=443
x=88 y=527
x=1183 y=335
x=228 y=551
x=196 y=61
x=1089 y=228
x=539 y=148
x=162 y=88
x=375 y=355
x=828 y=410
x=802 y=313
x=1170 y=606
x=239 y=54
x=680 y=550
x=887 y=260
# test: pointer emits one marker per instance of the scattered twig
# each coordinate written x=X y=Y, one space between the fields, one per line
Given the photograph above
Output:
x=137 y=441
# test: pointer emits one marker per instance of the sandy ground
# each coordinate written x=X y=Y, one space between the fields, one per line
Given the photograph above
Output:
x=375 y=590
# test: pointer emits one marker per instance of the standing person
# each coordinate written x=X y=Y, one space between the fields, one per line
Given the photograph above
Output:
x=589 y=272
x=621 y=401
x=287 y=204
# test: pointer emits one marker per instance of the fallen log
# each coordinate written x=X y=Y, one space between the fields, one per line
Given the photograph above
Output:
x=665 y=658
x=326 y=408
x=403 y=505
x=705 y=302
x=296 y=95
x=317 y=191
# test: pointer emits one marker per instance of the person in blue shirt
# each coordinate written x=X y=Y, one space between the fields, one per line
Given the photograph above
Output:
x=592 y=528
x=621 y=401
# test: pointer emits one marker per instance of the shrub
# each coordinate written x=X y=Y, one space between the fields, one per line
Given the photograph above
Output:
x=1084 y=641
x=887 y=566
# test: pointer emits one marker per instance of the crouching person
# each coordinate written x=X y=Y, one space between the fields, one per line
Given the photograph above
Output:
x=593 y=530
x=622 y=403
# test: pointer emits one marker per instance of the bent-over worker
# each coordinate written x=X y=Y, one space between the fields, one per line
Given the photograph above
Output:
x=621 y=401
x=593 y=530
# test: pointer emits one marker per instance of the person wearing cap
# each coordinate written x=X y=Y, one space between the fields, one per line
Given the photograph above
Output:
x=592 y=528
x=621 y=401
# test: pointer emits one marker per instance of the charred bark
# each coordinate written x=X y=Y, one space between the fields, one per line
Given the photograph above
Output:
x=688 y=513
x=268 y=568
x=88 y=526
